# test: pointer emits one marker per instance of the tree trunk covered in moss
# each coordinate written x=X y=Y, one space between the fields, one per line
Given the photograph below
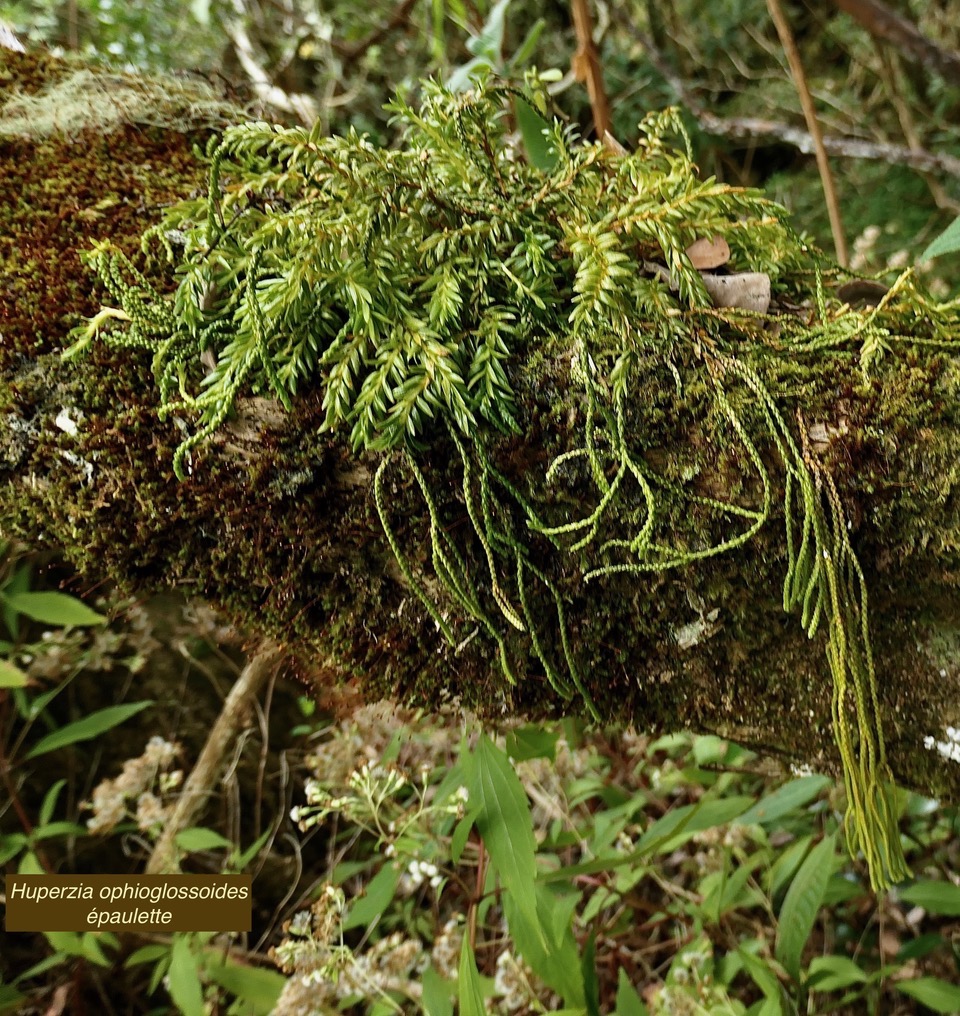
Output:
x=276 y=521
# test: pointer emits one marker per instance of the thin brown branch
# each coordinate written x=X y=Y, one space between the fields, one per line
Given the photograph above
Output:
x=848 y=148
x=813 y=126
x=749 y=128
x=203 y=778
x=884 y=23
x=586 y=67
x=890 y=73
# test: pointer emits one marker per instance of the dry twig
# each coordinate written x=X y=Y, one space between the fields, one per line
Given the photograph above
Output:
x=813 y=126
x=586 y=67
x=202 y=779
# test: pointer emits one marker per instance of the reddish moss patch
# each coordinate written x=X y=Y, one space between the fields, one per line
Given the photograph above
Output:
x=57 y=195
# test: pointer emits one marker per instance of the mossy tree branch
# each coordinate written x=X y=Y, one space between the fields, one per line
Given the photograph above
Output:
x=571 y=487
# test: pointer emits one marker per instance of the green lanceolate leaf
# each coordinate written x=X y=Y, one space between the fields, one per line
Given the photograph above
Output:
x=629 y=1002
x=935 y=897
x=504 y=823
x=801 y=904
x=183 y=978
x=53 y=608
x=790 y=797
x=256 y=988
x=948 y=242
x=469 y=991
x=938 y=995
x=11 y=676
x=200 y=838
x=90 y=726
x=535 y=131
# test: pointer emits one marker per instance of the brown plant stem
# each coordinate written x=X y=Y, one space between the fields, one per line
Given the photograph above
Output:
x=201 y=781
x=586 y=67
x=813 y=126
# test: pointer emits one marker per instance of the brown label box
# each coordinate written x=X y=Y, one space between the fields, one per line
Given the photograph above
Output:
x=128 y=903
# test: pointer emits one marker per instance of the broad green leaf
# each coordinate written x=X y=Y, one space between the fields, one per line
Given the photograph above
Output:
x=935 y=897
x=183 y=980
x=761 y=974
x=146 y=954
x=53 y=830
x=10 y=999
x=72 y=943
x=629 y=1002
x=591 y=984
x=50 y=802
x=489 y=42
x=366 y=911
x=532 y=742
x=11 y=676
x=548 y=946
x=257 y=987
x=781 y=802
x=801 y=904
x=828 y=973
x=461 y=833
x=30 y=865
x=53 y=608
x=769 y=1006
x=787 y=863
x=200 y=9
x=11 y=845
x=919 y=947
x=199 y=838
x=946 y=243
x=90 y=726
x=940 y=996
x=469 y=992
x=708 y=749
x=542 y=153
x=504 y=822
x=436 y=994
x=706 y=814
x=242 y=860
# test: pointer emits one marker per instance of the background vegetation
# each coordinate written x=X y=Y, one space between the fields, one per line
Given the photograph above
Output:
x=401 y=862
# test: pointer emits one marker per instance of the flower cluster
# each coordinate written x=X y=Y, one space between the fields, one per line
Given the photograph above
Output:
x=111 y=799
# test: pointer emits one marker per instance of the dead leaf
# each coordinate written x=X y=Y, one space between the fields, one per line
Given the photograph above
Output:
x=865 y=291
x=705 y=253
x=745 y=290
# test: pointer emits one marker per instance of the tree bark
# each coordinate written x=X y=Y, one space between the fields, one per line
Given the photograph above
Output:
x=276 y=522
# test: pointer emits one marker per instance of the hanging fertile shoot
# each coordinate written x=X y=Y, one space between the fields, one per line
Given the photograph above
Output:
x=409 y=285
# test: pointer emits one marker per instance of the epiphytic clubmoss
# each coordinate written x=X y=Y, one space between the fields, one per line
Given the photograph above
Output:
x=408 y=286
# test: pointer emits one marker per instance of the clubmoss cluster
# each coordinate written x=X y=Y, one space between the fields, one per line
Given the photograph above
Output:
x=414 y=288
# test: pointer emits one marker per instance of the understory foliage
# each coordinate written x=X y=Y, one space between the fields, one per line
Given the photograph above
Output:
x=410 y=285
